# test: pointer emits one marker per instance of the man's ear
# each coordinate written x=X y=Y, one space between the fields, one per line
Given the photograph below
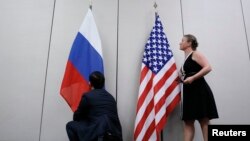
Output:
x=90 y=86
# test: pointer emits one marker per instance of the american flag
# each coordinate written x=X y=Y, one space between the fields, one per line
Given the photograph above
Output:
x=159 y=91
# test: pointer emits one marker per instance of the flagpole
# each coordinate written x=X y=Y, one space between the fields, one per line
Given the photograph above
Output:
x=155 y=6
x=90 y=4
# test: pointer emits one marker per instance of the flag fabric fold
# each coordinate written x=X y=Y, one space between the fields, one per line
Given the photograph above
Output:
x=85 y=57
x=159 y=91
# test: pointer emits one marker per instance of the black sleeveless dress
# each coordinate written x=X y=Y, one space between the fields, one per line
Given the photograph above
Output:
x=198 y=99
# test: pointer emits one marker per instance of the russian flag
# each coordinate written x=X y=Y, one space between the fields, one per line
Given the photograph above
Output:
x=85 y=57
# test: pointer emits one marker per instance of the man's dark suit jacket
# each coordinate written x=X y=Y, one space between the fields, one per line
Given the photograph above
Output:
x=97 y=114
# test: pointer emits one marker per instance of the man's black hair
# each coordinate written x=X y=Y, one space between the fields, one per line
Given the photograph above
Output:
x=97 y=79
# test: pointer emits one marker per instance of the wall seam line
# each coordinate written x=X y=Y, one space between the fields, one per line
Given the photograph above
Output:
x=245 y=28
x=182 y=23
x=117 y=51
x=46 y=72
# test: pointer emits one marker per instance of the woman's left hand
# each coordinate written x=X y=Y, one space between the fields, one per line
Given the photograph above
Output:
x=188 y=80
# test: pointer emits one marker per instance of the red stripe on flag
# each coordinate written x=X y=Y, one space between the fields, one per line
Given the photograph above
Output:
x=140 y=125
x=168 y=91
x=74 y=83
x=144 y=72
x=169 y=109
x=144 y=93
x=150 y=131
x=162 y=81
x=173 y=104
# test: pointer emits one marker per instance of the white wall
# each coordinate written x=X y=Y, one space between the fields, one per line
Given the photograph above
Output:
x=24 y=35
x=33 y=64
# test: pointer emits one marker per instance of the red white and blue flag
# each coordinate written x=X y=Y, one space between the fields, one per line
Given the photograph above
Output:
x=85 y=57
x=159 y=91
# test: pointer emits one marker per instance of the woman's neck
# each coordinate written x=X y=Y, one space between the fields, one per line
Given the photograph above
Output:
x=188 y=51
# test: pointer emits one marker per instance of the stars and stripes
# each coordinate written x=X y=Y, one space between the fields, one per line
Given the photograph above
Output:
x=159 y=92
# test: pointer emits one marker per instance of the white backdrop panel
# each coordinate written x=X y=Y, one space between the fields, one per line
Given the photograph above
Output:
x=24 y=40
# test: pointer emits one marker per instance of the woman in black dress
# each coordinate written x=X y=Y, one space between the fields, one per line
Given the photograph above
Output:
x=198 y=101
